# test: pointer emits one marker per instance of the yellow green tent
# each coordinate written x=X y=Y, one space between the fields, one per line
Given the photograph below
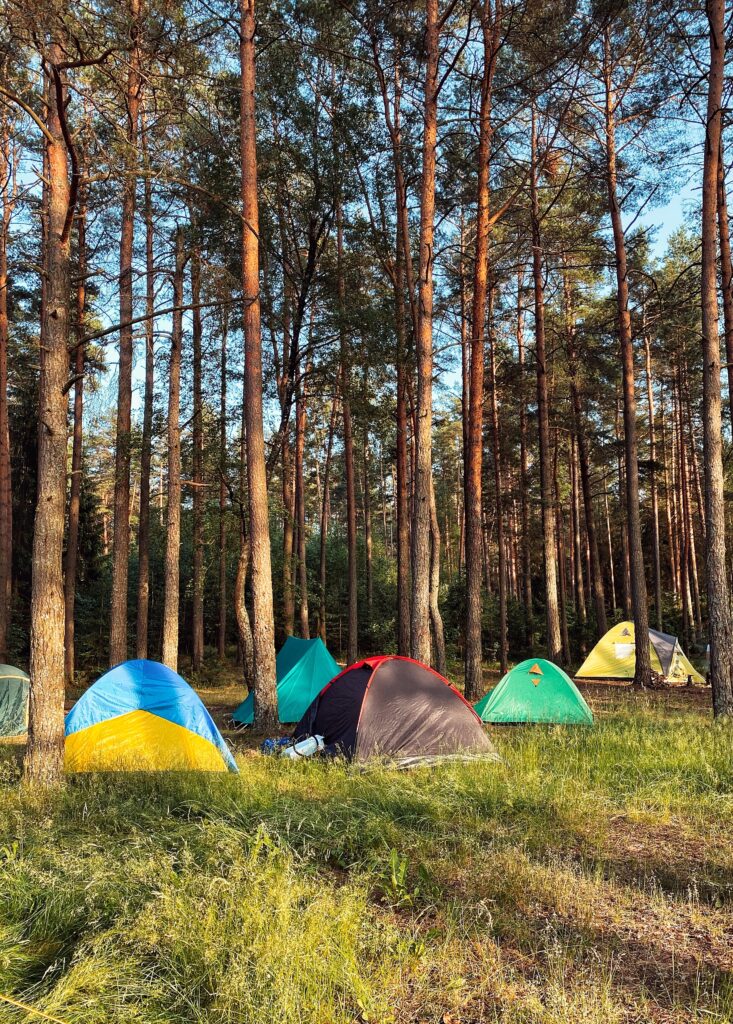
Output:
x=614 y=657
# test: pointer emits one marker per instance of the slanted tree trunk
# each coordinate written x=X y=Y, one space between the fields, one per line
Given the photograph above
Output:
x=719 y=611
x=325 y=516
x=197 y=623
x=146 y=452
x=263 y=633
x=222 y=628
x=44 y=755
x=642 y=673
x=420 y=621
x=121 y=532
x=7 y=171
x=72 y=535
x=552 y=610
x=172 y=572
x=345 y=375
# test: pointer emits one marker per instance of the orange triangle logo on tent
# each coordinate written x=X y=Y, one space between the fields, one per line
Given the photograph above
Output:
x=535 y=671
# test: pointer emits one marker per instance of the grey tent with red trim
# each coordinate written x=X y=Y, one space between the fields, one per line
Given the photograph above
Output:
x=396 y=709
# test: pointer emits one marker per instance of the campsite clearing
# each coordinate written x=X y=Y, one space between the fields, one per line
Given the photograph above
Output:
x=588 y=878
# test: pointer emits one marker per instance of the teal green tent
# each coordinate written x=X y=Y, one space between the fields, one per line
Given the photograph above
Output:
x=13 y=701
x=303 y=668
x=535 y=691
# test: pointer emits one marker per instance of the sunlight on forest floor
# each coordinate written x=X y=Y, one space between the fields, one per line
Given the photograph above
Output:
x=587 y=878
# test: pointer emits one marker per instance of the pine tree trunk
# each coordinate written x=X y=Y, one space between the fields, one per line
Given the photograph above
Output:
x=325 y=515
x=143 y=535
x=72 y=536
x=554 y=641
x=611 y=571
x=352 y=643
x=121 y=529
x=499 y=503
x=44 y=755
x=367 y=503
x=719 y=611
x=436 y=620
x=241 y=614
x=653 y=482
x=726 y=272
x=300 y=425
x=524 y=471
x=643 y=669
x=263 y=633
x=8 y=173
x=222 y=626
x=172 y=571
x=420 y=621
x=401 y=471
x=197 y=646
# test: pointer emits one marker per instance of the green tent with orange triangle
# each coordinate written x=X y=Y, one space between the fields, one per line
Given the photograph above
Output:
x=535 y=691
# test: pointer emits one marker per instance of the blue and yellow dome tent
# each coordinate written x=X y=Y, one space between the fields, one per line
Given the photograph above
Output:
x=142 y=716
x=302 y=667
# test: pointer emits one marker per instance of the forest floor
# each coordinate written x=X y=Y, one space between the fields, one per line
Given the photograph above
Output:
x=587 y=878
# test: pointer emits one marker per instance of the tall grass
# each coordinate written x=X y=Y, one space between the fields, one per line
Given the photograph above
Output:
x=314 y=892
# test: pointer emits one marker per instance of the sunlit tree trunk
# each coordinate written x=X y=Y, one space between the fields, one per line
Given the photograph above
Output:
x=420 y=621
x=642 y=673
x=300 y=425
x=719 y=612
x=121 y=532
x=554 y=641
x=653 y=481
x=197 y=645
x=499 y=500
x=172 y=572
x=244 y=625
x=146 y=452
x=45 y=749
x=72 y=534
x=8 y=175
x=524 y=469
x=263 y=632
x=222 y=625
x=436 y=619
x=726 y=271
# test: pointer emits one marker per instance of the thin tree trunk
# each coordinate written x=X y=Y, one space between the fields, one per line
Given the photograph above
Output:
x=420 y=621
x=554 y=641
x=577 y=547
x=197 y=646
x=653 y=481
x=263 y=633
x=244 y=625
x=352 y=643
x=611 y=571
x=524 y=470
x=45 y=749
x=143 y=535
x=300 y=425
x=436 y=620
x=561 y=562
x=642 y=673
x=726 y=271
x=121 y=529
x=6 y=491
x=498 y=489
x=172 y=573
x=401 y=472
x=674 y=573
x=72 y=536
x=325 y=515
x=367 y=503
x=222 y=630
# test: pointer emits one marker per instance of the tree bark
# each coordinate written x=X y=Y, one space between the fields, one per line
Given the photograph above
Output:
x=552 y=611
x=72 y=535
x=436 y=620
x=524 y=471
x=6 y=490
x=300 y=425
x=197 y=623
x=499 y=502
x=653 y=481
x=263 y=633
x=474 y=440
x=172 y=572
x=222 y=626
x=719 y=611
x=420 y=612
x=121 y=530
x=345 y=375
x=146 y=452
x=726 y=272
x=244 y=625
x=44 y=755
x=325 y=515
x=642 y=673
x=367 y=503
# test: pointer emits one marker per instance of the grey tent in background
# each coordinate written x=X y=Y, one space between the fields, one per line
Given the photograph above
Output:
x=13 y=701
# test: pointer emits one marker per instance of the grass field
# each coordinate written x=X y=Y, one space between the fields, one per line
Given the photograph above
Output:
x=588 y=878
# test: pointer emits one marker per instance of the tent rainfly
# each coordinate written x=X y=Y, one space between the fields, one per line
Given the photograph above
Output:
x=302 y=668
x=13 y=701
x=535 y=691
x=398 y=710
x=614 y=657
x=142 y=716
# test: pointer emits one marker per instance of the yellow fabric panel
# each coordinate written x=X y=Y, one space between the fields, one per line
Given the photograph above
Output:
x=140 y=742
x=609 y=659
x=682 y=668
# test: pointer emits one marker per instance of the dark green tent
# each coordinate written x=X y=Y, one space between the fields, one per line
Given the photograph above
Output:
x=535 y=691
x=13 y=701
x=303 y=668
